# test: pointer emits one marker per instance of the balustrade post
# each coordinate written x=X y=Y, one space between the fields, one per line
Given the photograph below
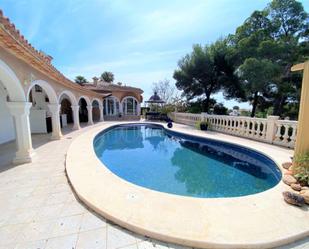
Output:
x=241 y=127
x=204 y=116
x=271 y=128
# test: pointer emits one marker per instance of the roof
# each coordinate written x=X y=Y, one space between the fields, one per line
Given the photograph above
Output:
x=109 y=87
x=155 y=99
x=16 y=44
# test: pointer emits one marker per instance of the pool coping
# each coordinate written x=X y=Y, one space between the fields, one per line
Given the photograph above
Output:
x=261 y=220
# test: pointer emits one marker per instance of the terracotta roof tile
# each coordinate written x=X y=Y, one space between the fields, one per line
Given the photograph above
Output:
x=111 y=87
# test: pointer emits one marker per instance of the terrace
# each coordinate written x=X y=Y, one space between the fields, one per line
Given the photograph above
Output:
x=80 y=169
x=40 y=209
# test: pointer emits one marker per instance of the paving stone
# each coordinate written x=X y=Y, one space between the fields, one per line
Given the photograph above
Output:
x=152 y=244
x=90 y=221
x=73 y=208
x=64 y=242
x=133 y=246
x=39 y=244
x=10 y=234
x=37 y=231
x=93 y=239
x=22 y=216
x=49 y=212
x=117 y=237
x=67 y=225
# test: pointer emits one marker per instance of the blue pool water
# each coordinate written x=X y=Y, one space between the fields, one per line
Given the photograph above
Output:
x=163 y=160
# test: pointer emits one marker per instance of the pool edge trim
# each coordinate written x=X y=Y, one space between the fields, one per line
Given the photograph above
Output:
x=84 y=196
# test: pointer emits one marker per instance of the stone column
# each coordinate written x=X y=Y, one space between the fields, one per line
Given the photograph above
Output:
x=75 y=109
x=271 y=128
x=138 y=109
x=89 y=108
x=101 y=112
x=114 y=106
x=302 y=136
x=106 y=107
x=20 y=112
x=121 y=108
x=204 y=116
x=55 y=111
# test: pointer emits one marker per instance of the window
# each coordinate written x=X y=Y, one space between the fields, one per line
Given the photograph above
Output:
x=38 y=89
x=111 y=106
x=130 y=106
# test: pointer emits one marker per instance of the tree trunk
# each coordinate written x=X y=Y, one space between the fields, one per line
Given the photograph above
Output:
x=207 y=102
x=208 y=92
x=254 y=104
x=278 y=106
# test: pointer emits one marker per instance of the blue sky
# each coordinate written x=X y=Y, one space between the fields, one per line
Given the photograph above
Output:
x=139 y=41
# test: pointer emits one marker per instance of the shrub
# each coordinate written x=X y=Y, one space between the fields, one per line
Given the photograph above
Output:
x=301 y=168
x=198 y=124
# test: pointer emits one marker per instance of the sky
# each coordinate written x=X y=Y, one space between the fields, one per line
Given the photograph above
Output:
x=139 y=41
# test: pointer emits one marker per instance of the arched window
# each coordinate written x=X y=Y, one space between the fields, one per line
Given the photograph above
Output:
x=111 y=106
x=130 y=106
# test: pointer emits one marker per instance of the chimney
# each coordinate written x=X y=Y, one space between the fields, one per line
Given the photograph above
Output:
x=49 y=59
x=95 y=80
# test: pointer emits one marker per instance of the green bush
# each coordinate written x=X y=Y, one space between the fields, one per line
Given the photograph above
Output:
x=301 y=168
x=199 y=123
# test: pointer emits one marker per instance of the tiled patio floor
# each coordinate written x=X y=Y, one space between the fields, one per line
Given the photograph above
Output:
x=39 y=210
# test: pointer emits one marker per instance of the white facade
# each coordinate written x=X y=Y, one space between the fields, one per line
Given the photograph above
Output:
x=25 y=112
x=7 y=132
x=129 y=106
x=31 y=94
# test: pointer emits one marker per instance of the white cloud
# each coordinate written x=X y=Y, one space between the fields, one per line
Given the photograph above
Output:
x=133 y=62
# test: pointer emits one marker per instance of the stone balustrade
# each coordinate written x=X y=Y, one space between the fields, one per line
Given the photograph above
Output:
x=285 y=133
x=269 y=130
x=186 y=118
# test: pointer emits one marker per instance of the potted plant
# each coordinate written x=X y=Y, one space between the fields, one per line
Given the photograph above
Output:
x=203 y=125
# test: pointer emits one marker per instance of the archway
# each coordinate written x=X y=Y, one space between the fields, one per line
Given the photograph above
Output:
x=49 y=91
x=66 y=114
x=96 y=110
x=11 y=83
x=84 y=105
x=7 y=129
x=45 y=110
x=14 y=118
x=68 y=107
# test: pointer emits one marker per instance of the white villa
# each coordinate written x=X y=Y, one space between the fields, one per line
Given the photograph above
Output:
x=170 y=186
x=36 y=98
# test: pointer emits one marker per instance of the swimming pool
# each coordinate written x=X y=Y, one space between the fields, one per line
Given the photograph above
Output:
x=163 y=160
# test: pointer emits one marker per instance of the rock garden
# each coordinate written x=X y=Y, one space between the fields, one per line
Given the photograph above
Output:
x=296 y=175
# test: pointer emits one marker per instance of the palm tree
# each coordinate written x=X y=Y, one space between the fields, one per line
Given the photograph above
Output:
x=80 y=80
x=107 y=77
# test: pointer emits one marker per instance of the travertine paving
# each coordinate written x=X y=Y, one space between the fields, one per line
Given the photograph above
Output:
x=39 y=210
